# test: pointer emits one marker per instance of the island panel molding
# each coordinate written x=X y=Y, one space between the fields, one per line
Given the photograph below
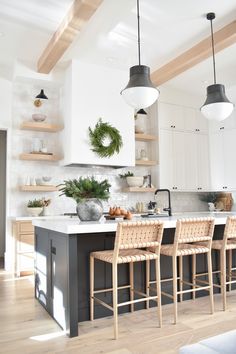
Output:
x=223 y=38
x=72 y=24
x=41 y=127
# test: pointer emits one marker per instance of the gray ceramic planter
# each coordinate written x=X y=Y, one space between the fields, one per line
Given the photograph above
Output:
x=90 y=210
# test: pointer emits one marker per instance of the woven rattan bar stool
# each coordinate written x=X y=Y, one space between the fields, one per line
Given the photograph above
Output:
x=187 y=233
x=131 y=240
x=224 y=246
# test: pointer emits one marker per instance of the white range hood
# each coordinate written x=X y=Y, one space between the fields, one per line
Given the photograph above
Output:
x=92 y=92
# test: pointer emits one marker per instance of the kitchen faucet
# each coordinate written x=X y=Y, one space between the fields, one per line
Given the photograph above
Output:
x=169 y=201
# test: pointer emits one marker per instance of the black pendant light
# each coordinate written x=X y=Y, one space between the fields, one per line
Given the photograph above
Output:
x=42 y=95
x=217 y=105
x=140 y=91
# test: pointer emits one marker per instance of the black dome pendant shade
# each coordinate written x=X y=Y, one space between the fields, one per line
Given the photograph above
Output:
x=42 y=95
x=140 y=91
x=217 y=106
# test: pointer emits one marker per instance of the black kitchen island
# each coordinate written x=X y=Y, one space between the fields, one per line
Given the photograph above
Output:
x=62 y=267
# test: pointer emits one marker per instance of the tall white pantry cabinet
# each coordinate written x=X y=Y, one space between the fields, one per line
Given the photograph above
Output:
x=192 y=155
x=183 y=149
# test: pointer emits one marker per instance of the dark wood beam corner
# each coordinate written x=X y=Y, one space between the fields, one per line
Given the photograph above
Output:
x=76 y=18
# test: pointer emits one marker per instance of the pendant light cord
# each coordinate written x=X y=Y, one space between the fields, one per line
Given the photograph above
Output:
x=139 y=51
x=213 y=53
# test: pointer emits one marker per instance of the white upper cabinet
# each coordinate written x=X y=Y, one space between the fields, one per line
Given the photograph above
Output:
x=170 y=116
x=194 y=120
x=183 y=149
x=227 y=124
x=92 y=92
x=223 y=160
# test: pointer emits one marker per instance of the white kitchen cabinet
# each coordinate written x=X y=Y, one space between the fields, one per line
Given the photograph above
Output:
x=194 y=120
x=170 y=116
x=184 y=161
x=227 y=124
x=172 y=161
x=223 y=159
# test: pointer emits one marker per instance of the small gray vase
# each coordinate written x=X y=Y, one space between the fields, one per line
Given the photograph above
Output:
x=89 y=210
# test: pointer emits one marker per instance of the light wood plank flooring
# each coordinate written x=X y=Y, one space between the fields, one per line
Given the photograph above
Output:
x=27 y=328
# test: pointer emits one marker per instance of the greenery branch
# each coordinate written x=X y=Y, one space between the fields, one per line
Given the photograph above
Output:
x=85 y=188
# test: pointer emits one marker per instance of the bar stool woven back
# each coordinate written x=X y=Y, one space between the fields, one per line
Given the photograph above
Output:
x=132 y=240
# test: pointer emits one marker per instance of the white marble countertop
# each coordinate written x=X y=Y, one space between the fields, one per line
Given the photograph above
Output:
x=73 y=225
x=49 y=217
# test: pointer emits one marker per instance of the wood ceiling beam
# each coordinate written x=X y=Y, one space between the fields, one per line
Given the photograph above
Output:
x=223 y=38
x=76 y=18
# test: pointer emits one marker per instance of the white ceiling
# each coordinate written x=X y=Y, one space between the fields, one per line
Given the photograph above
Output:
x=168 y=27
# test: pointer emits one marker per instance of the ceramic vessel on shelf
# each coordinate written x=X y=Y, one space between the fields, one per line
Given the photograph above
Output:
x=39 y=117
x=34 y=211
x=46 y=180
x=211 y=206
x=134 y=181
x=90 y=210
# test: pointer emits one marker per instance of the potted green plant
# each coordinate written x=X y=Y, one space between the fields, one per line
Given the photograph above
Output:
x=88 y=193
x=132 y=181
x=35 y=207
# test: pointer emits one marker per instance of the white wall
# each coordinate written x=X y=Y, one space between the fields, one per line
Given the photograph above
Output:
x=3 y=150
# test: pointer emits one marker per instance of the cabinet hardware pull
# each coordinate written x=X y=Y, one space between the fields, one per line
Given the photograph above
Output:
x=53 y=250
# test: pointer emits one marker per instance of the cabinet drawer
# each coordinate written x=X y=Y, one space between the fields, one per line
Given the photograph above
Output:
x=26 y=261
x=26 y=243
x=26 y=227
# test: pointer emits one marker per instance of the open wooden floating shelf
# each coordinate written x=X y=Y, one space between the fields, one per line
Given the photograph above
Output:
x=145 y=137
x=139 y=189
x=39 y=157
x=41 y=127
x=43 y=188
x=145 y=163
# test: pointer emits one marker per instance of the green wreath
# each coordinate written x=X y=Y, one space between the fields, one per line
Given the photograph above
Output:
x=99 y=134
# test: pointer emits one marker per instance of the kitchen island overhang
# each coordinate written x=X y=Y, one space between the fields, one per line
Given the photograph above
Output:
x=62 y=265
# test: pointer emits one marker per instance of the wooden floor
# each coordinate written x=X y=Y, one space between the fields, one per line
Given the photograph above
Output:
x=27 y=328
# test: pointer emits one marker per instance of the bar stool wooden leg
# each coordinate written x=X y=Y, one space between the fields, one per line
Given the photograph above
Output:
x=158 y=288
x=181 y=277
x=223 y=276
x=91 y=288
x=194 y=275
x=147 y=282
x=174 y=266
x=115 y=299
x=131 y=279
x=229 y=269
x=210 y=280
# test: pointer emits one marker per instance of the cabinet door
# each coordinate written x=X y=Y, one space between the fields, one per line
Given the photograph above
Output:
x=189 y=118
x=191 y=166
x=203 y=163
x=201 y=122
x=217 y=161
x=229 y=138
x=170 y=116
x=59 y=281
x=166 y=159
x=179 y=160
x=41 y=268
